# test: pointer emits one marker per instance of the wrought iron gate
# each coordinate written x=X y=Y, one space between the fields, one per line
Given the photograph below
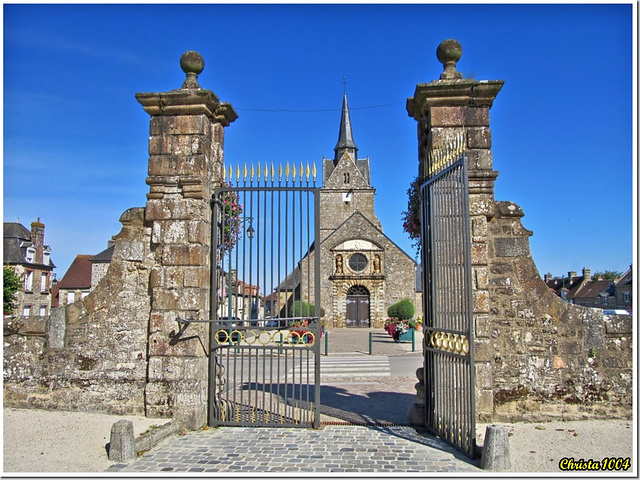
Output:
x=265 y=301
x=447 y=297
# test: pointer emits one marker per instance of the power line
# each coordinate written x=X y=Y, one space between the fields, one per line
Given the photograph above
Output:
x=316 y=111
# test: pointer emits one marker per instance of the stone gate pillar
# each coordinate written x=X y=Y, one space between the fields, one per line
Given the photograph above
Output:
x=185 y=164
x=450 y=108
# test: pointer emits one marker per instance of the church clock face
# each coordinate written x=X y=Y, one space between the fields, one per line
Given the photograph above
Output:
x=358 y=262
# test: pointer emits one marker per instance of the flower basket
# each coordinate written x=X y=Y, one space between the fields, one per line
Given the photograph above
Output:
x=401 y=330
x=406 y=336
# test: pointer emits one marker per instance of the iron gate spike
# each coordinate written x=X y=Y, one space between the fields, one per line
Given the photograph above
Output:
x=313 y=172
x=286 y=171
x=280 y=173
x=301 y=172
x=307 y=172
x=238 y=173
x=293 y=173
x=266 y=172
x=259 y=172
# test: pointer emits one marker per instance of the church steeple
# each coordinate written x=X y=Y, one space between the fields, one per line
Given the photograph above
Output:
x=345 y=137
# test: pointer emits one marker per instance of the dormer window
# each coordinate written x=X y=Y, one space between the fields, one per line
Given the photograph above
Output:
x=31 y=255
x=46 y=257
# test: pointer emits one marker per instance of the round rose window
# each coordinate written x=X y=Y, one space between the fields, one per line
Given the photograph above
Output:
x=358 y=262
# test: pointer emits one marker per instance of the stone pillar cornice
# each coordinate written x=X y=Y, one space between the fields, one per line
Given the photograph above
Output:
x=452 y=93
x=188 y=101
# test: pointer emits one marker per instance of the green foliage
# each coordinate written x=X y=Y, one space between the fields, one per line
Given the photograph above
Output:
x=411 y=216
x=606 y=275
x=11 y=284
x=303 y=309
x=402 y=310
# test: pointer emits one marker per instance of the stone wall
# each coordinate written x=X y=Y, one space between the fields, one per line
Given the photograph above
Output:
x=536 y=356
x=92 y=354
x=113 y=350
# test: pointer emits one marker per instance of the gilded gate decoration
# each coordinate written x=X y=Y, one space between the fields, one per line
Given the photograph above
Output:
x=447 y=298
x=265 y=302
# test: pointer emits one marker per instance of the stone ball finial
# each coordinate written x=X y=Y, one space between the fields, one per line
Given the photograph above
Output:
x=448 y=53
x=192 y=64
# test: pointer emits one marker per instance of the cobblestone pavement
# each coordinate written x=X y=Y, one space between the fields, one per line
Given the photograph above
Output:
x=333 y=449
x=352 y=396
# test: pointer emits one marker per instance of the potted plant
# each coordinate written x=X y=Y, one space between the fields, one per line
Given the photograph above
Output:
x=401 y=323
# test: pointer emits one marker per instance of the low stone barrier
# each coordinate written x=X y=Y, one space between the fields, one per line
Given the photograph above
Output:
x=124 y=447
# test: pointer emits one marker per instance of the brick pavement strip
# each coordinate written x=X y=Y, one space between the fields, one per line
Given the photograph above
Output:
x=333 y=449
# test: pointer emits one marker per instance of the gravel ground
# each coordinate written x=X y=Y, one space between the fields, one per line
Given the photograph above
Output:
x=55 y=441
x=539 y=447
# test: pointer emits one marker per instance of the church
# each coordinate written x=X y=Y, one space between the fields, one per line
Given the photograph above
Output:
x=362 y=271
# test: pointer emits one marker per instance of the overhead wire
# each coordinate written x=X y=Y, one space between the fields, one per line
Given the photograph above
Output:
x=285 y=110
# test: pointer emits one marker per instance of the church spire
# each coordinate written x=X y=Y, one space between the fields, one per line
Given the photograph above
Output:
x=345 y=137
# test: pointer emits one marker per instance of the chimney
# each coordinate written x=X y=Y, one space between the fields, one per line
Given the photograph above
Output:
x=586 y=273
x=547 y=277
x=233 y=275
x=572 y=275
x=37 y=238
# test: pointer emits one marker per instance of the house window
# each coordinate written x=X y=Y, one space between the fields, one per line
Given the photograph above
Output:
x=43 y=283
x=46 y=258
x=43 y=310
x=346 y=178
x=605 y=300
x=627 y=297
x=31 y=255
x=28 y=281
x=26 y=310
x=71 y=296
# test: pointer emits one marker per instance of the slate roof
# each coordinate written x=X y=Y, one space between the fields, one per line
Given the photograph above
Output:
x=79 y=274
x=345 y=136
x=593 y=288
x=626 y=279
x=14 y=236
x=570 y=286
x=15 y=242
x=104 y=256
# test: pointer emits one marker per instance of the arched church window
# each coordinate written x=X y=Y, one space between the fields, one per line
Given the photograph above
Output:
x=358 y=262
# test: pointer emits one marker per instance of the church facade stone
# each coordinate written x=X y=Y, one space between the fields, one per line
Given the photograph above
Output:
x=363 y=271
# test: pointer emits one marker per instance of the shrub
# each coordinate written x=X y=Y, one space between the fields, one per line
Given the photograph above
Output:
x=403 y=309
x=303 y=309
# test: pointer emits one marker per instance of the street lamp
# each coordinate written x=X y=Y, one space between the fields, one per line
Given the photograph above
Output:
x=250 y=231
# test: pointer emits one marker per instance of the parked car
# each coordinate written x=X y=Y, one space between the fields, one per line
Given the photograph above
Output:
x=616 y=312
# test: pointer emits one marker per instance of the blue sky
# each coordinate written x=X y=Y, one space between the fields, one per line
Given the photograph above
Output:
x=75 y=138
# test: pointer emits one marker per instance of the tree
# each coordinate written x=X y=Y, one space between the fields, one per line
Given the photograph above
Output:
x=606 y=275
x=11 y=284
